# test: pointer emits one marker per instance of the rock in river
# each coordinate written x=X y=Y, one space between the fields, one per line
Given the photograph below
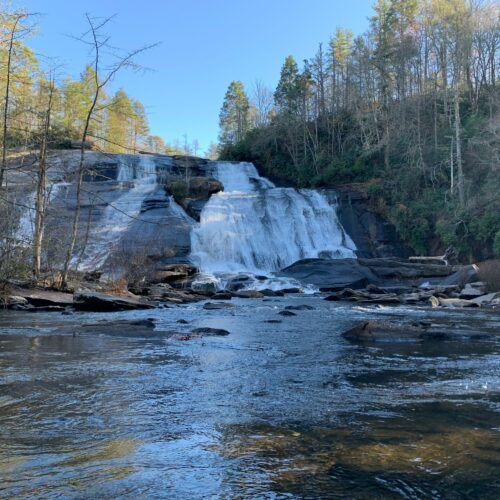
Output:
x=391 y=332
x=85 y=300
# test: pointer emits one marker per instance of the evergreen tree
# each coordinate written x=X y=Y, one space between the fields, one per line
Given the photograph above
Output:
x=287 y=94
x=233 y=118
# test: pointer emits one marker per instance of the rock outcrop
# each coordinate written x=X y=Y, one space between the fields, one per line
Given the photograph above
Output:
x=192 y=193
x=85 y=300
x=338 y=274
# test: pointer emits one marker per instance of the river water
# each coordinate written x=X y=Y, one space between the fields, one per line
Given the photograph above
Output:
x=273 y=410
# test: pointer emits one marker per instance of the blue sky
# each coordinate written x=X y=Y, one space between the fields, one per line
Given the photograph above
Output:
x=204 y=44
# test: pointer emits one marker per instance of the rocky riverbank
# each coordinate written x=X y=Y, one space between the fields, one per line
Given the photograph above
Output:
x=365 y=281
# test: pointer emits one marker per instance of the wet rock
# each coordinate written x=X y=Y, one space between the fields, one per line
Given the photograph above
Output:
x=221 y=305
x=422 y=331
x=124 y=328
x=443 y=302
x=300 y=307
x=267 y=292
x=212 y=332
x=292 y=290
x=182 y=322
x=84 y=300
x=287 y=313
x=273 y=321
x=248 y=294
x=47 y=309
x=386 y=331
x=222 y=296
x=192 y=194
x=238 y=282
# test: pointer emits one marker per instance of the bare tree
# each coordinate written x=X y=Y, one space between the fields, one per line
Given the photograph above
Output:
x=41 y=186
x=99 y=43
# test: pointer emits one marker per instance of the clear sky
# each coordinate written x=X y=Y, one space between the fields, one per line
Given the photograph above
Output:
x=204 y=44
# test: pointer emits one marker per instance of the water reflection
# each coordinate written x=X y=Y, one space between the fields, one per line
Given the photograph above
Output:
x=274 y=410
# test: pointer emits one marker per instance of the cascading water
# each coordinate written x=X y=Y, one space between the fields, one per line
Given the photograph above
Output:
x=26 y=226
x=119 y=214
x=252 y=226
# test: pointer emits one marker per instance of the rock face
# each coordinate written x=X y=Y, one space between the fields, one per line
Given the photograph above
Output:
x=373 y=236
x=192 y=194
x=94 y=301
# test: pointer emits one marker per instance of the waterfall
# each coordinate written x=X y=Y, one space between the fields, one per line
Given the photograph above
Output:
x=26 y=227
x=253 y=226
x=119 y=214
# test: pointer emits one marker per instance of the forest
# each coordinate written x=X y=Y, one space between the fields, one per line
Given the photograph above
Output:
x=408 y=113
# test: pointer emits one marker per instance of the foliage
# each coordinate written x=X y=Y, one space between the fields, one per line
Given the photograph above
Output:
x=411 y=108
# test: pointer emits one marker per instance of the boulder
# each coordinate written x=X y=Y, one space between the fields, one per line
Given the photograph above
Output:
x=222 y=296
x=214 y=305
x=248 y=294
x=85 y=300
x=382 y=331
x=466 y=274
x=472 y=291
x=176 y=274
x=212 y=332
x=402 y=269
x=386 y=331
x=287 y=313
x=443 y=302
x=330 y=275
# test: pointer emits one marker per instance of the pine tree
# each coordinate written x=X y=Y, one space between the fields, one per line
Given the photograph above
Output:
x=287 y=94
x=233 y=118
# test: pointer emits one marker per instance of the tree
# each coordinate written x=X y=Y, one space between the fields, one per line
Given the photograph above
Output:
x=15 y=28
x=233 y=118
x=98 y=42
x=287 y=93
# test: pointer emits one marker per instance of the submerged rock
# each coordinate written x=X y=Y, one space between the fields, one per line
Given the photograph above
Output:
x=287 y=313
x=94 y=301
x=220 y=305
x=213 y=332
x=300 y=307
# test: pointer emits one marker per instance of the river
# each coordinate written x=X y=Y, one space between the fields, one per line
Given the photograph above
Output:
x=273 y=410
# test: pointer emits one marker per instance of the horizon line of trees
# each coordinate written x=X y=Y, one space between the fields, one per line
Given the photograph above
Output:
x=410 y=108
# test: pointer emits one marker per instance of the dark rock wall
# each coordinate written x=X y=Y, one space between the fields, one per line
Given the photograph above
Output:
x=373 y=236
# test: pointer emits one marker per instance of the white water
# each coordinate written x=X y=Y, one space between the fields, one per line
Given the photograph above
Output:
x=26 y=228
x=255 y=227
x=121 y=213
